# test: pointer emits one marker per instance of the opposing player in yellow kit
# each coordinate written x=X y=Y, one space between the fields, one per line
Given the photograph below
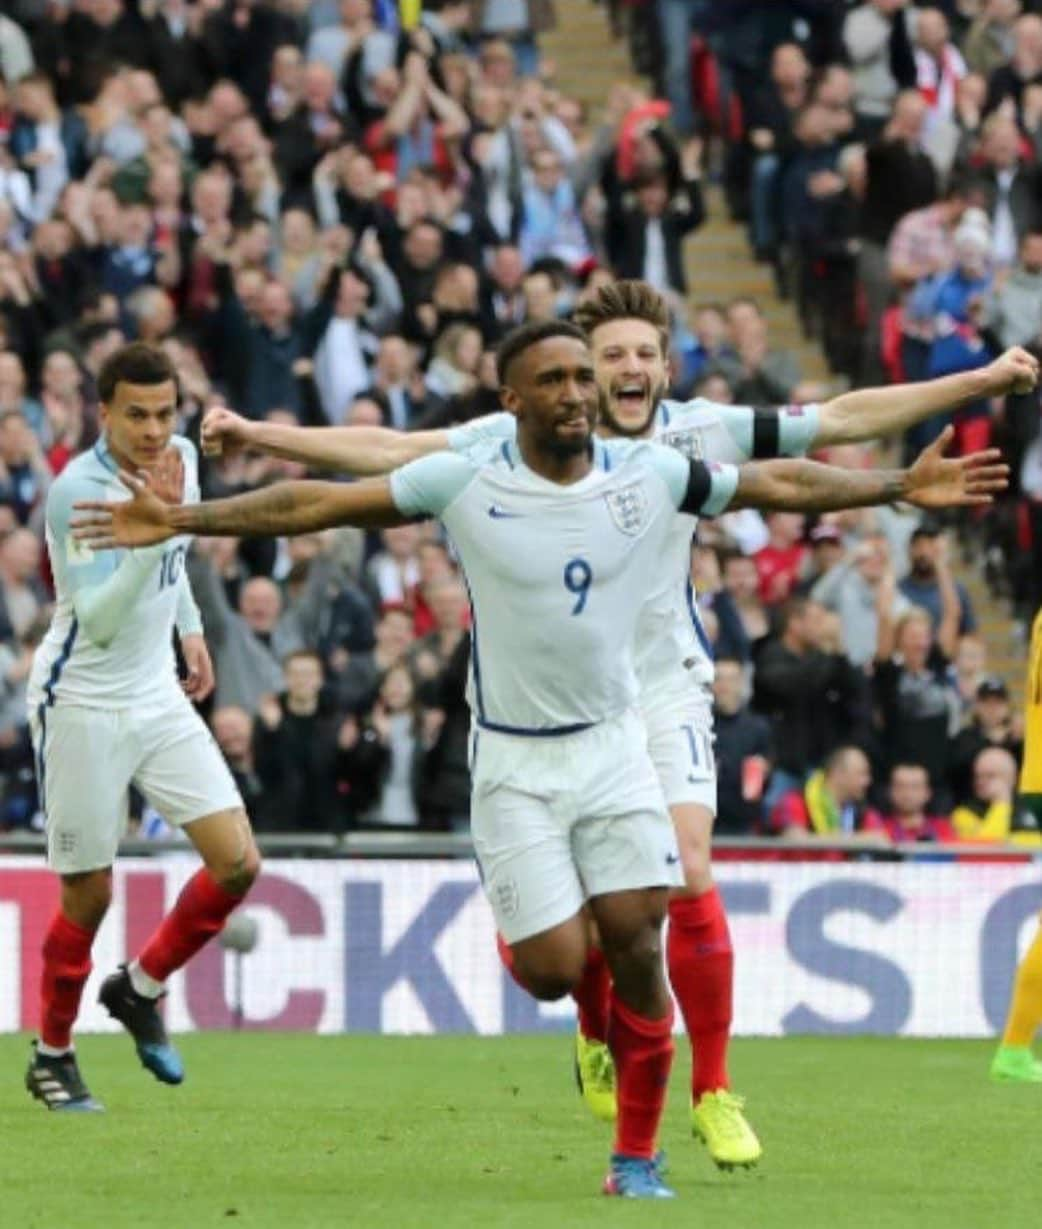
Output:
x=1014 y=1061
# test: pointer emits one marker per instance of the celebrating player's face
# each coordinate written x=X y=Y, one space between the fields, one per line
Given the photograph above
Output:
x=632 y=374
x=139 y=421
x=553 y=393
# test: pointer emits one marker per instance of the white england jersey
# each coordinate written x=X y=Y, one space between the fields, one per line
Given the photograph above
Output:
x=671 y=644
x=138 y=667
x=557 y=574
x=672 y=649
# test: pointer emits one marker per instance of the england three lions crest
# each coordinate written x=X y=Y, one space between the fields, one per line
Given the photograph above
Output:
x=687 y=442
x=629 y=509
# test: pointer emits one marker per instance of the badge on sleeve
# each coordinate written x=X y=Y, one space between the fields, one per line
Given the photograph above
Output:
x=78 y=553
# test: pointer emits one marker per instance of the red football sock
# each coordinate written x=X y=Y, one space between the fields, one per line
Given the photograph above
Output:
x=506 y=958
x=198 y=914
x=66 y=967
x=592 y=996
x=643 y=1054
x=700 y=961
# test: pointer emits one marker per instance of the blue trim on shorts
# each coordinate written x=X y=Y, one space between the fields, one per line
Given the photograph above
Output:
x=553 y=731
x=700 y=631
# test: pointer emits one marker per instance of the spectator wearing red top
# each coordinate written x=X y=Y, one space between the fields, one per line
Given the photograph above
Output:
x=907 y=821
x=832 y=802
x=418 y=127
x=781 y=563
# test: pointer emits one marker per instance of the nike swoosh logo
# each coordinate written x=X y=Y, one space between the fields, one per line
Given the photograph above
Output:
x=500 y=514
x=672 y=859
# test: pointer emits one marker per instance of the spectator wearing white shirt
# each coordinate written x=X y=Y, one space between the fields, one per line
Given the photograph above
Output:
x=939 y=68
x=40 y=135
x=1009 y=189
x=346 y=350
x=551 y=224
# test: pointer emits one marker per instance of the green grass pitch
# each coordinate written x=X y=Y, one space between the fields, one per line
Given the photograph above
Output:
x=301 y=1132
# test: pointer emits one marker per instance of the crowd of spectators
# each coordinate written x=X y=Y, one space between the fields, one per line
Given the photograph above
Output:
x=884 y=157
x=330 y=212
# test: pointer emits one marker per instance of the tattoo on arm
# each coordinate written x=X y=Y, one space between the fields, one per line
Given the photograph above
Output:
x=808 y=486
x=285 y=508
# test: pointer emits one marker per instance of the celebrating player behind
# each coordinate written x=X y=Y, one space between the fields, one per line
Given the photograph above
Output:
x=559 y=538
x=628 y=325
x=107 y=711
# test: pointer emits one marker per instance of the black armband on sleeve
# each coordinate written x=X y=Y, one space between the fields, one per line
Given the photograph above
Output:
x=766 y=434
x=699 y=486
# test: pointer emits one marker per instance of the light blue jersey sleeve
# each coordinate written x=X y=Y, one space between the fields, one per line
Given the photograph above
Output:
x=188 y=621
x=490 y=427
x=759 y=434
x=78 y=565
x=426 y=486
x=100 y=584
x=694 y=487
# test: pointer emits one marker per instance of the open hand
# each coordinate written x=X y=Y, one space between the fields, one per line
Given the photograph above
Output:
x=937 y=481
x=142 y=520
x=168 y=477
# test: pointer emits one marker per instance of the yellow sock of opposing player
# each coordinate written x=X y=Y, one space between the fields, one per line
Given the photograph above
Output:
x=1025 y=1010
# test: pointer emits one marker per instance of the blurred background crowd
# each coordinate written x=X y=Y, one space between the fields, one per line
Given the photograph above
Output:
x=330 y=212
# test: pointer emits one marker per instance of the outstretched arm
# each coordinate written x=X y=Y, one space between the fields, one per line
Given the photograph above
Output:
x=285 y=508
x=361 y=451
x=934 y=481
x=872 y=412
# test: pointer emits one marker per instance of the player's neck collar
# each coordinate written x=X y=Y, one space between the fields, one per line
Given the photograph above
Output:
x=104 y=454
x=599 y=455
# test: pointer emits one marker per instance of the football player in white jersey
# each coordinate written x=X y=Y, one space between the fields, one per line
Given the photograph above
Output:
x=628 y=323
x=560 y=538
x=107 y=711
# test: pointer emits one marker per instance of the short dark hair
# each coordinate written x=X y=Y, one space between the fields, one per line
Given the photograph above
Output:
x=791 y=609
x=626 y=300
x=136 y=363
x=518 y=340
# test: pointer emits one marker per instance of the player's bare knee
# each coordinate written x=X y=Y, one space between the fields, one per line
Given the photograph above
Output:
x=86 y=897
x=239 y=876
x=636 y=957
x=550 y=978
x=548 y=989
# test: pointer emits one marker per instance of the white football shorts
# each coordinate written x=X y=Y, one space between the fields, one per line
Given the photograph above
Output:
x=680 y=739
x=556 y=820
x=87 y=758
